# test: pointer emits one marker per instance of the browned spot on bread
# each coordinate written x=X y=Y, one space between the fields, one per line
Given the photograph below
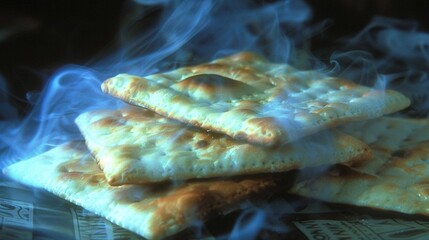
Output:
x=213 y=87
x=249 y=104
x=244 y=111
x=76 y=166
x=422 y=188
x=91 y=179
x=78 y=169
x=179 y=99
x=132 y=114
x=129 y=151
x=70 y=176
x=106 y=122
x=202 y=144
x=245 y=57
x=265 y=124
x=345 y=84
x=209 y=68
x=279 y=93
x=244 y=73
x=262 y=122
x=96 y=179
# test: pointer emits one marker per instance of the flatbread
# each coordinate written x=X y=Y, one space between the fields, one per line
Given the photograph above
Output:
x=390 y=133
x=251 y=99
x=153 y=211
x=397 y=179
x=136 y=145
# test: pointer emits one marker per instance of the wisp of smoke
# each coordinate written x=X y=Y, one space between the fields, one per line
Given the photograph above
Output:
x=387 y=53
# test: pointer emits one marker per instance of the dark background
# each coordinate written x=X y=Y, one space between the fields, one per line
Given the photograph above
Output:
x=37 y=37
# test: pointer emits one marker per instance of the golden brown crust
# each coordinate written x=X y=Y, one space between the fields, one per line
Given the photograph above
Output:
x=208 y=96
x=213 y=87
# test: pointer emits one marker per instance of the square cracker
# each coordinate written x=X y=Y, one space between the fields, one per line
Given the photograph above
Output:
x=153 y=211
x=136 y=145
x=249 y=98
x=398 y=177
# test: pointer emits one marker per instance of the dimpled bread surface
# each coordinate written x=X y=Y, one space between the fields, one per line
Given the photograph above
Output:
x=398 y=177
x=136 y=145
x=251 y=99
x=152 y=211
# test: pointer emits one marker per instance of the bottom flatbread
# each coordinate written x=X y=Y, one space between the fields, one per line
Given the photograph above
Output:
x=154 y=210
x=398 y=177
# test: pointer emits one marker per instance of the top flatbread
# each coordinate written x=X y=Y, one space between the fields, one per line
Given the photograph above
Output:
x=398 y=177
x=136 y=145
x=249 y=98
x=153 y=211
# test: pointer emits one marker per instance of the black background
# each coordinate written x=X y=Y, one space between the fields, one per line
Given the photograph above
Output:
x=40 y=36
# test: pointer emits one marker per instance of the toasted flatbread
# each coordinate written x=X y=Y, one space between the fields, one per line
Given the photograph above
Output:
x=251 y=99
x=390 y=133
x=136 y=145
x=397 y=179
x=153 y=211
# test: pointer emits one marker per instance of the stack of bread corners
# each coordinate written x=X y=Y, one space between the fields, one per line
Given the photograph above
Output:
x=200 y=140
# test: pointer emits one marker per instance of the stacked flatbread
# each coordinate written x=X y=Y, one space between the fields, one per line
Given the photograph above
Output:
x=202 y=139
